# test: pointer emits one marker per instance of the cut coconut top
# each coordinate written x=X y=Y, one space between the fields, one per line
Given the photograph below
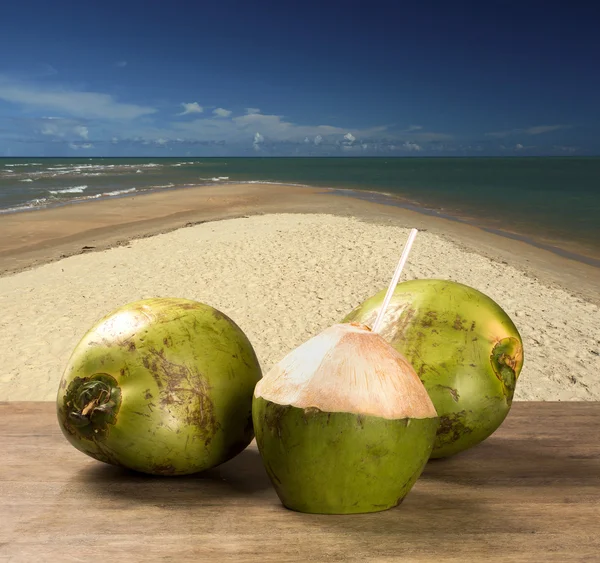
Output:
x=348 y=368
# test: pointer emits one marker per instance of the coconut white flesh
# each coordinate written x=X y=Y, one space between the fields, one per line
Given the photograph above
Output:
x=348 y=368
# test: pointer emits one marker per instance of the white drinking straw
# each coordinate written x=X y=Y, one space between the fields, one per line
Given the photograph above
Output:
x=388 y=296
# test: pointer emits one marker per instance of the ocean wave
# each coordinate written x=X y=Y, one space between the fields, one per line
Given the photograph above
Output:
x=26 y=180
x=33 y=204
x=110 y=167
x=26 y=164
x=116 y=192
x=271 y=183
x=53 y=200
x=227 y=181
x=169 y=185
x=73 y=190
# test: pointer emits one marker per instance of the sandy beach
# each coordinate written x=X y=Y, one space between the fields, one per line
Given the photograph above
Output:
x=284 y=263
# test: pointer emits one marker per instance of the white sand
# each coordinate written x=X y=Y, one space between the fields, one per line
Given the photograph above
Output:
x=282 y=278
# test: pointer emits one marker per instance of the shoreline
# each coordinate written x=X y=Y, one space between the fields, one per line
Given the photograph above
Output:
x=577 y=249
x=46 y=235
x=396 y=201
x=144 y=191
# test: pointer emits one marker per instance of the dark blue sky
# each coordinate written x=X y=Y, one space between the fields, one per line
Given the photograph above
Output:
x=299 y=78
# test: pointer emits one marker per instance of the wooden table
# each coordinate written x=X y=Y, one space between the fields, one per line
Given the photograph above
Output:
x=531 y=492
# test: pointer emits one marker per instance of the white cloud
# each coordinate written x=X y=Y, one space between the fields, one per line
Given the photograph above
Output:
x=75 y=146
x=114 y=140
x=220 y=112
x=565 y=148
x=365 y=146
x=238 y=128
x=536 y=130
x=519 y=147
x=410 y=146
x=61 y=127
x=162 y=142
x=258 y=139
x=193 y=107
x=121 y=64
x=72 y=102
x=414 y=128
x=81 y=131
x=51 y=129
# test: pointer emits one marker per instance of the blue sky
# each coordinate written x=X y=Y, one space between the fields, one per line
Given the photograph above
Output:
x=270 y=78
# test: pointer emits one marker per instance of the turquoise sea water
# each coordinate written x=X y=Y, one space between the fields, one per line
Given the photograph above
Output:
x=555 y=201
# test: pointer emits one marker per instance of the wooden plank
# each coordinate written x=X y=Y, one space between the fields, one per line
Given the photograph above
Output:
x=531 y=492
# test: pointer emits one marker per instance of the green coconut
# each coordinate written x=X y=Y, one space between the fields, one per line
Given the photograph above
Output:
x=343 y=424
x=161 y=386
x=463 y=346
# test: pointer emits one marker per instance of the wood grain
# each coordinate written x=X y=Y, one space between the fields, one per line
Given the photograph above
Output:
x=531 y=492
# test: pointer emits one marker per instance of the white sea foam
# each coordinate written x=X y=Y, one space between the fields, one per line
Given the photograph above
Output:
x=78 y=168
x=107 y=194
x=53 y=200
x=73 y=190
x=169 y=185
x=271 y=183
x=33 y=204
x=117 y=192
x=26 y=164
x=26 y=180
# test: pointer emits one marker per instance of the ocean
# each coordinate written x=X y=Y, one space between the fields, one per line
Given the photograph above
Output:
x=553 y=202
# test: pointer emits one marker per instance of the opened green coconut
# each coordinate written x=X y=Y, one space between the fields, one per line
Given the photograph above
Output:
x=162 y=386
x=343 y=424
x=463 y=346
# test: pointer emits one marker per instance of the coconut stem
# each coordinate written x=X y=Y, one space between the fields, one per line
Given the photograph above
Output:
x=388 y=296
x=91 y=405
